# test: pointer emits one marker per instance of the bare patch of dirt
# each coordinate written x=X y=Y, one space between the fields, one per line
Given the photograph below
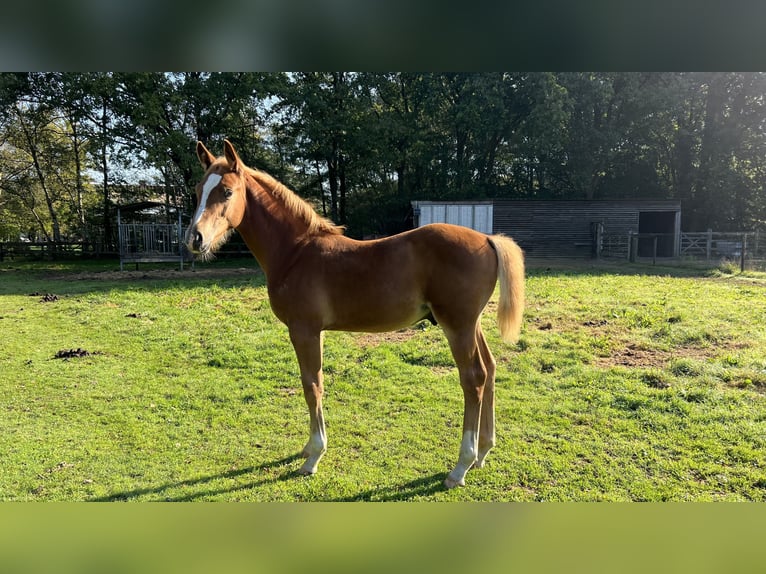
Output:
x=158 y=274
x=365 y=340
x=554 y=324
x=636 y=356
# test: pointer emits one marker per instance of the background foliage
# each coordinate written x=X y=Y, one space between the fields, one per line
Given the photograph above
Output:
x=363 y=145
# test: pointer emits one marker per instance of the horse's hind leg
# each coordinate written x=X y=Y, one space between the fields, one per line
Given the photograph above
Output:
x=487 y=424
x=473 y=375
x=308 y=348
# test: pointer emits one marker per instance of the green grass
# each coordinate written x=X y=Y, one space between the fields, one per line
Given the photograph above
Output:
x=624 y=386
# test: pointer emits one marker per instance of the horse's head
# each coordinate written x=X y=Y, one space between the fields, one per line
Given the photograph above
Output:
x=220 y=201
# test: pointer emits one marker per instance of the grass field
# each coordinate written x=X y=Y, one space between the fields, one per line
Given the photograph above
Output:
x=629 y=384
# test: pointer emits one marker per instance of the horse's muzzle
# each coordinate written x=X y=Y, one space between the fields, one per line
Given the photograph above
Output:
x=194 y=241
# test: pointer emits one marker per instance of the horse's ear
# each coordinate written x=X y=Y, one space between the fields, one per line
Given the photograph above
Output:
x=205 y=157
x=231 y=156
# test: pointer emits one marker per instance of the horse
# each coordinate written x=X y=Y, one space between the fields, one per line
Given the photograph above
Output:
x=319 y=279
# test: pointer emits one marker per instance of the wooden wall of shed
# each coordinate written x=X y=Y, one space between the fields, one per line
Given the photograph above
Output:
x=563 y=228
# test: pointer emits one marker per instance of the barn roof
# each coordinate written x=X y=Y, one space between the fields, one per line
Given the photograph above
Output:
x=143 y=205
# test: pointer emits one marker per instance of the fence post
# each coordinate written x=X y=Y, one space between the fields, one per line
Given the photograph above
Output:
x=180 y=239
x=742 y=253
x=119 y=238
x=709 y=244
x=633 y=247
x=654 y=251
x=597 y=236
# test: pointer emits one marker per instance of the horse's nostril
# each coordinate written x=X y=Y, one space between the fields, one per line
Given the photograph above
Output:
x=197 y=240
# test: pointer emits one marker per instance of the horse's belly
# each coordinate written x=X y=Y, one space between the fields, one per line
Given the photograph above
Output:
x=376 y=317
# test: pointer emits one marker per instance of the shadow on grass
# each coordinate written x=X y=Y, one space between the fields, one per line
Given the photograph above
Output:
x=542 y=267
x=74 y=280
x=158 y=491
x=420 y=487
x=425 y=486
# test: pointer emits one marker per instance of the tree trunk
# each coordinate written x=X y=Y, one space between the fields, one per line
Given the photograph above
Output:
x=461 y=142
x=711 y=154
x=342 y=191
x=321 y=189
x=107 y=216
x=332 y=174
x=78 y=179
x=42 y=180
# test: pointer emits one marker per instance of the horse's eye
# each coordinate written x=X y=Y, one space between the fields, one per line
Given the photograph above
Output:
x=228 y=193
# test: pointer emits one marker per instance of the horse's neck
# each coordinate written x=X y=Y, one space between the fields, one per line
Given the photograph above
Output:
x=269 y=232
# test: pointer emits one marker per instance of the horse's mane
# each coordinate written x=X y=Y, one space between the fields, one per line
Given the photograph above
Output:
x=294 y=204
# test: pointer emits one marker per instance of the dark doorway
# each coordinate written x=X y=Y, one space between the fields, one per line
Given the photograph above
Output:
x=661 y=223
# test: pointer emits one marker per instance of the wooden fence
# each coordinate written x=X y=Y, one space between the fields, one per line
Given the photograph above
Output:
x=747 y=249
x=13 y=250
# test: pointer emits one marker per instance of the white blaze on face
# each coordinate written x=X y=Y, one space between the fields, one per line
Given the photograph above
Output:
x=212 y=180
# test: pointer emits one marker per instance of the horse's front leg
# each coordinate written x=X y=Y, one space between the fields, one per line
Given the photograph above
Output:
x=308 y=347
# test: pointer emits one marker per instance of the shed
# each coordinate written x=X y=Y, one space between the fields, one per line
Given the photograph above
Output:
x=143 y=239
x=474 y=214
x=575 y=228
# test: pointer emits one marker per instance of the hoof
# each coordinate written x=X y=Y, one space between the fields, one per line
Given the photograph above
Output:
x=306 y=471
x=451 y=483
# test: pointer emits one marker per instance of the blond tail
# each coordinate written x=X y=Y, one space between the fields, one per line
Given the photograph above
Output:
x=510 y=273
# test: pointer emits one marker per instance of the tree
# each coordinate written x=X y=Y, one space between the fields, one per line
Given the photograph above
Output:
x=320 y=109
x=728 y=190
x=364 y=145
x=42 y=164
x=159 y=117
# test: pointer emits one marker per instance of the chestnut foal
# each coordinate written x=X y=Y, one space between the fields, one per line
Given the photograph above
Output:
x=318 y=279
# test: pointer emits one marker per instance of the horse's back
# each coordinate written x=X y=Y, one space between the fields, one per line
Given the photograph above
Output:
x=456 y=242
x=432 y=253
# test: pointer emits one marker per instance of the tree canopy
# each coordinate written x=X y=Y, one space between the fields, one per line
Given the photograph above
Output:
x=361 y=146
